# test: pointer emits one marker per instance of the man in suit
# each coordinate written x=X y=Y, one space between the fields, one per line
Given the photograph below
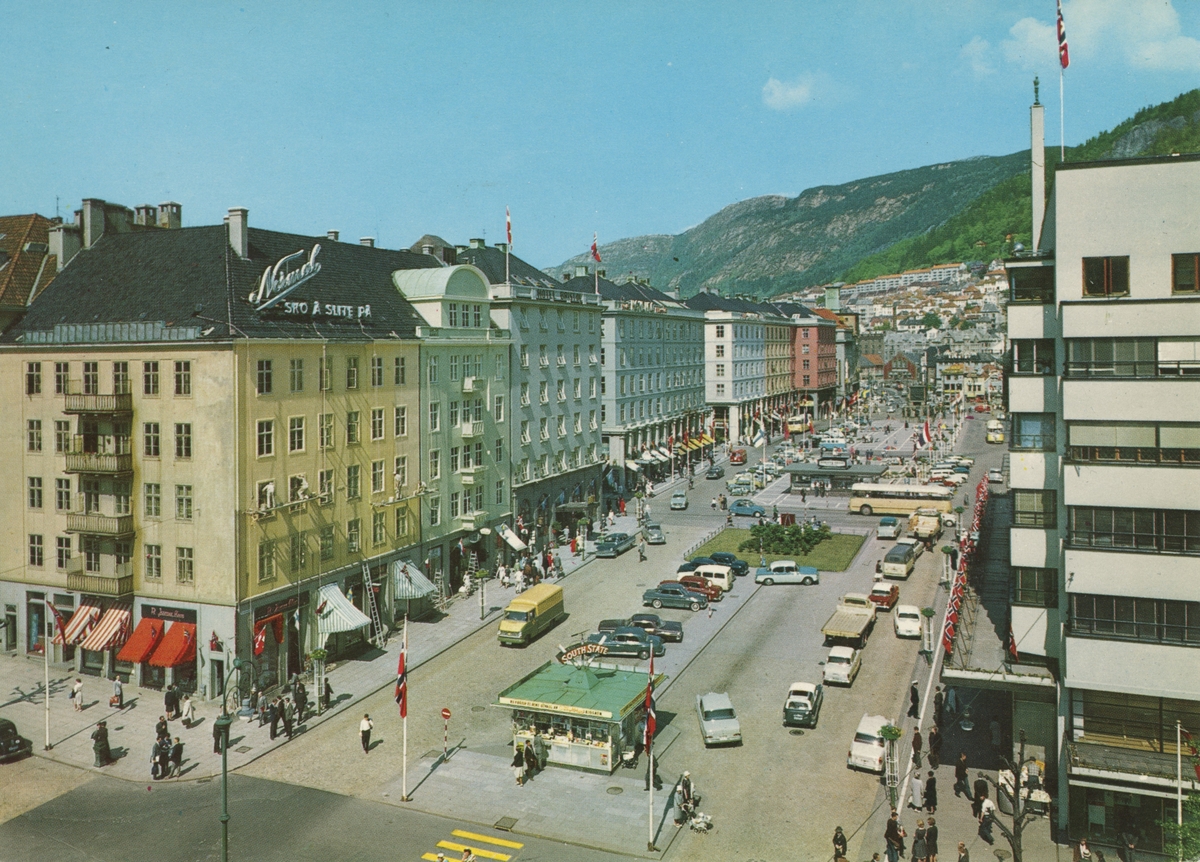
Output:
x=273 y=716
x=301 y=694
x=176 y=758
x=289 y=715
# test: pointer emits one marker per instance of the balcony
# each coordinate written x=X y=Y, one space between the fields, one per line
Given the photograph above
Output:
x=472 y=429
x=1123 y=759
x=100 y=463
x=468 y=479
x=473 y=520
x=100 y=525
x=117 y=583
x=99 y=403
x=468 y=384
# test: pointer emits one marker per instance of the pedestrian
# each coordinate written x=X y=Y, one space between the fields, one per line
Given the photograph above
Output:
x=100 y=745
x=216 y=738
x=274 y=715
x=621 y=505
x=916 y=747
x=960 y=776
x=1082 y=852
x=530 y=760
x=914 y=788
x=714 y=504
x=518 y=765
x=935 y=746
x=289 y=717
x=931 y=793
x=171 y=703
x=161 y=729
x=920 y=849
x=939 y=701
x=187 y=711
x=364 y=732
x=839 y=843
x=540 y=749
x=987 y=813
x=642 y=551
x=964 y=855
x=118 y=695
x=301 y=701
x=893 y=836
x=951 y=702
x=175 y=760
x=163 y=756
x=803 y=496
x=914 y=701
x=931 y=839
x=981 y=793
x=1128 y=846
x=77 y=694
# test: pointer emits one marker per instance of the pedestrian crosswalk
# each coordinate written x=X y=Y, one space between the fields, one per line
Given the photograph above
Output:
x=474 y=842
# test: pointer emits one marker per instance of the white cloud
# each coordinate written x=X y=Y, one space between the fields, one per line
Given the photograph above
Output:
x=1031 y=44
x=976 y=53
x=780 y=96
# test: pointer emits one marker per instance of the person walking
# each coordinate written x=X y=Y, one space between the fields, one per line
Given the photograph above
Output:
x=714 y=504
x=518 y=765
x=931 y=839
x=364 y=732
x=980 y=794
x=328 y=693
x=987 y=813
x=118 y=695
x=289 y=716
x=642 y=551
x=916 y=747
x=274 y=716
x=187 y=711
x=171 y=703
x=893 y=837
x=530 y=760
x=100 y=745
x=939 y=701
x=965 y=856
x=540 y=750
x=915 y=786
x=935 y=746
x=931 y=793
x=77 y=694
x=920 y=848
x=914 y=701
x=960 y=776
x=217 y=738
x=301 y=695
x=175 y=760
x=839 y=843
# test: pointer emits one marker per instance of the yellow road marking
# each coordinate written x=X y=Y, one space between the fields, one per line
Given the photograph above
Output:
x=483 y=854
x=487 y=839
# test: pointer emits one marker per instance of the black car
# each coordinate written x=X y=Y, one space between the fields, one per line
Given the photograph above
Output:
x=653 y=624
x=715 y=473
x=12 y=744
x=740 y=567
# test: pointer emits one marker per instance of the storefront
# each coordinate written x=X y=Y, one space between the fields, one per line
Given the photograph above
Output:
x=587 y=715
x=413 y=592
x=107 y=635
x=342 y=629
x=79 y=625
x=280 y=638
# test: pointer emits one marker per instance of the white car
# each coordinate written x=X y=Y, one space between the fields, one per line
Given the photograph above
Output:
x=868 y=748
x=907 y=621
x=842 y=665
x=955 y=479
x=679 y=501
x=995 y=475
x=889 y=528
x=718 y=721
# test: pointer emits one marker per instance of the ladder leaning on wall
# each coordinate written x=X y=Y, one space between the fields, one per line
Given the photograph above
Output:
x=378 y=636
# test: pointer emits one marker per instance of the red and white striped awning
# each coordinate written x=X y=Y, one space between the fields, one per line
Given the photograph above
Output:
x=81 y=623
x=112 y=630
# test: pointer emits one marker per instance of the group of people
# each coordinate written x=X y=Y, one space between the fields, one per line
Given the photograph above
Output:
x=176 y=705
x=288 y=708
x=925 y=840
x=531 y=570
x=529 y=759
x=166 y=757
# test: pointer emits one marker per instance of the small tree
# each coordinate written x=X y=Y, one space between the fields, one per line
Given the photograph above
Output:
x=1183 y=841
x=1021 y=815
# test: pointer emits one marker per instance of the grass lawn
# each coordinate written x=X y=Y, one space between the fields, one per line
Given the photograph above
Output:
x=832 y=555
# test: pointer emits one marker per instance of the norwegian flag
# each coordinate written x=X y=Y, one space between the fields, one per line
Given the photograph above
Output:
x=402 y=678
x=1195 y=755
x=58 y=622
x=595 y=249
x=923 y=437
x=1064 y=56
x=260 y=640
x=321 y=607
x=508 y=226
x=948 y=636
x=651 y=717
x=1012 y=643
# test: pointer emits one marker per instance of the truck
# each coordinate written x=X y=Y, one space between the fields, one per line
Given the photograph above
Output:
x=852 y=621
x=925 y=524
x=531 y=613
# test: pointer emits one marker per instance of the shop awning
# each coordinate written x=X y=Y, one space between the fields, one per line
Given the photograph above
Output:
x=707 y=440
x=664 y=453
x=143 y=641
x=81 y=622
x=177 y=647
x=694 y=444
x=514 y=541
x=409 y=581
x=336 y=613
x=633 y=465
x=112 y=630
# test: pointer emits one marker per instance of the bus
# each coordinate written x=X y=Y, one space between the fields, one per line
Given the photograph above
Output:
x=995 y=431
x=867 y=499
x=796 y=425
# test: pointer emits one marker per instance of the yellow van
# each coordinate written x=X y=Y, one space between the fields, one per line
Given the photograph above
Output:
x=899 y=561
x=531 y=613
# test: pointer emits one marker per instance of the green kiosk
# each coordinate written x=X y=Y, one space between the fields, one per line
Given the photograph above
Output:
x=587 y=714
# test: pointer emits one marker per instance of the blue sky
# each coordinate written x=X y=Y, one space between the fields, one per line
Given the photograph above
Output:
x=396 y=119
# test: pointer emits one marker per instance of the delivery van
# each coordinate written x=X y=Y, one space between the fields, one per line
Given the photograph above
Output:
x=717 y=575
x=899 y=561
x=531 y=613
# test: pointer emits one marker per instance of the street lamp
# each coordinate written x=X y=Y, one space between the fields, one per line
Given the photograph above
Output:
x=222 y=726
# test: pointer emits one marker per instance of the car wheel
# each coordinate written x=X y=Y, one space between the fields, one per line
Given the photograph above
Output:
x=768 y=581
x=865 y=510
x=644 y=654
x=694 y=606
x=808 y=582
x=657 y=603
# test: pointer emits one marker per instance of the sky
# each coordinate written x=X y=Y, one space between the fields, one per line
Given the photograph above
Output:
x=398 y=119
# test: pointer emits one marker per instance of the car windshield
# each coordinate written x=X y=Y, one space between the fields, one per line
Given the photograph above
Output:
x=839 y=659
x=868 y=739
x=718 y=714
x=516 y=616
x=912 y=617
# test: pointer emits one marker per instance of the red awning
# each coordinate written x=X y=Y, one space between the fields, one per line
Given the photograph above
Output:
x=178 y=647
x=81 y=623
x=143 y=641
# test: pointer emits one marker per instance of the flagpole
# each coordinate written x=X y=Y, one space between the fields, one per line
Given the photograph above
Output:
x=46 y=673
x=1062 y=134
x=650 y=819
x=404 y=721
x=1179 y=784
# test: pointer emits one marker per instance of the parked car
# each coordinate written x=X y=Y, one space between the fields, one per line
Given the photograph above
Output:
x=995 y=475
x=955 y=479
x=687 y=566
x=740 y=567
x=803 y=704
x=628 y=642
x=884 y=595
x=697 y=584
x=718 y=720
x=13 y=746
x=654 y=534
x=669 y=631
x=614 y=544
x=747 y=508
x=715 y=472
x=703 y=561
x=737 y=456
x=739 y=489
x=679 y=501
x=842 y=664
x=889 y=528
x=868 y=748
x=787 y=572
x=673 y=595
x=907 y=621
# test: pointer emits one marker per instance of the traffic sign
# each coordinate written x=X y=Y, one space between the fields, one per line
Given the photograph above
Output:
x=446 y=712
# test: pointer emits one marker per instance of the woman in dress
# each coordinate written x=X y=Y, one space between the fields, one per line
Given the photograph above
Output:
x=518 y=765
x=920 y=845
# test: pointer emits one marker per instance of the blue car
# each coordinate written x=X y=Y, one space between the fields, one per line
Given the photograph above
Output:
x=614 y=544
x=748 y=508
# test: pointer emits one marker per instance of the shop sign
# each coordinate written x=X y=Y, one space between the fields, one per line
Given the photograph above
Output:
x=286 y=275
x=282 y=606
x=539 y=706
x=171 y=615
x=582 y=649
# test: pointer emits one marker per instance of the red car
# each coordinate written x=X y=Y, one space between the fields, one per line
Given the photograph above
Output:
x=884 y=595
x=737 y=456
x=697 y=584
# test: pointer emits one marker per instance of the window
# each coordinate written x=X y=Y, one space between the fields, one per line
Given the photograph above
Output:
x=525 y=431
x=1111 y=357
x=720 y=370
x=183 y=502
x=352 y=434
x=578 y=388
x=499 y=450
x=478 y=454
x=435 y=464
x=720 y=390
x=62 y=495
x=37 y=551
x=400 y=477
x=183 y=439
x=435 y=417
x=266 y=560
x=91 y=378
x=33 y=435
x=185 y=565
x=562 y=390
x=296 y=375
x=378 y=528
x=62 y=436
x=153 y=494
x=376 y=371
x=1035 y=587
x=524 y=356
x=401 y=521
x=400 y=421
x=35 y=492
x=351 y=372
x=498 y=408
x=265 y=377
x=560 y=356
x=454 y=459
x=62 y=552
x=435 y=511
x=1033 y=356
x=1106 y=276
x=377 y=423
x=592 y=419
x=433 y=369
x=122 y=498
x=1035 y=509
x=1140 y=619
x=544 y=392
x=325 y=430
x=121 y=378
x=353 y=485
x=376 y=477
x=544 y=428
x=325 y=539
x=298 y=551
x=325 y=486
x=149 y=378
x=453 y=413
x=183 y=378
x=454 y=367
x=399 y=371
x=1166 y=531
x=720 y=331
x=1033 y=431
x=455 y=509
x=476 y=316
x=266 y=437
x=33 y=378
x=592 y=388
x=500 y=492
x=578 y=422
x=452 y=314
x=1165 y=443
x=562 y=426
x=325 y=373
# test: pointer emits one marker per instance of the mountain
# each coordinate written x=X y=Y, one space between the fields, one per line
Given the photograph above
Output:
x=963 y=210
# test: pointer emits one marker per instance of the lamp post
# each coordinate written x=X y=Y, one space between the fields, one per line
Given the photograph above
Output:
x=223 y=722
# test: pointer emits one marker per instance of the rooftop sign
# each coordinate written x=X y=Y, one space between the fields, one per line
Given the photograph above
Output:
x=285 y=276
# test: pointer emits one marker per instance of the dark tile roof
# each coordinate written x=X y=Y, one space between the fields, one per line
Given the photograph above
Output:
x=611 y=291
x=491 y=261
x=25 y=264
x=191 y=277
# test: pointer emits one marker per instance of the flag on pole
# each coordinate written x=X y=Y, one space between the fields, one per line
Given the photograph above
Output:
x=1064 y=56
x=811 y=429
x=595 y=249
x=260 y=640
x=923 y=437
x=1012 y=643
x=508 y=226
x=651 y=718
x=58 y=622
x=402 y=678
x=759 y=437
x=1195 y=755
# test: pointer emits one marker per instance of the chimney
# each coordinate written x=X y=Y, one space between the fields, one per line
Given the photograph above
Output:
x=460 y=249
x=601 y=273
x=145 y=215
x=449 y=255
x=833 y=298
x=368 y=241
x=581 y=270
x=502 y=247
x=566 y=277
x=65 y=242
x=93 y=221
x=478 y=243
x=170 y=215
x=427 y=248
x=331 y=235
x=239 y=231
x=1037 y=159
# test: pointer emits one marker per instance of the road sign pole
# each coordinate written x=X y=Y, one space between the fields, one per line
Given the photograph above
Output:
x=446 y=734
